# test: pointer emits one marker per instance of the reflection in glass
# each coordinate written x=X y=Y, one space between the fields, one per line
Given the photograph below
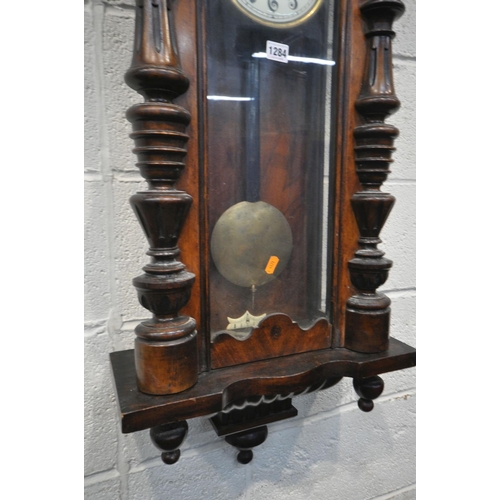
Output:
x=268 y=162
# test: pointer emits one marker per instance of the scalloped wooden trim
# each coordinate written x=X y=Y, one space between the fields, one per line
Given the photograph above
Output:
x=277 y=335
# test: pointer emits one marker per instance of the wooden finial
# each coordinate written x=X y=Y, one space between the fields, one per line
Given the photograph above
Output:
x=155 y=71
x=166 y=346
x=368 y=312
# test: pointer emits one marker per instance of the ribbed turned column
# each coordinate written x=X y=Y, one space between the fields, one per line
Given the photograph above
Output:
x=165 y=347
x=368 y=312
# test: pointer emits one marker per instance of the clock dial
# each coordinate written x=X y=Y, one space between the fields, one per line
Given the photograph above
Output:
x=279 y=13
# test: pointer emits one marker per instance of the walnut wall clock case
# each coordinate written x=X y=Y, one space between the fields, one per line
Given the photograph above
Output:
x=264 y=155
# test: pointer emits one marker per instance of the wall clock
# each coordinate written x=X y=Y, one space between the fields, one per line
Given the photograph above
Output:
x=263 y=141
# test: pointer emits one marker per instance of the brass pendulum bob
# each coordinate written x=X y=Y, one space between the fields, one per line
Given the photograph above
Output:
x=252 y=241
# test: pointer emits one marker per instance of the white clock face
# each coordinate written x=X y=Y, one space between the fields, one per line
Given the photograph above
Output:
x=279 y=13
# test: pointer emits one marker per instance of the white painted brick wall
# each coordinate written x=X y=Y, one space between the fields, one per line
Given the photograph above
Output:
x=331 y=450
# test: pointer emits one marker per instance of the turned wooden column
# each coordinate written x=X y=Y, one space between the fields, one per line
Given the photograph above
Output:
x=165 y=347
x=368 y=312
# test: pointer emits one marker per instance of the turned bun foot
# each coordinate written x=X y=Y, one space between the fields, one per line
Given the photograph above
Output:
x=170 y=457
x=245 y=456
x=246 y=440
x=368 y=389
x=168 y=438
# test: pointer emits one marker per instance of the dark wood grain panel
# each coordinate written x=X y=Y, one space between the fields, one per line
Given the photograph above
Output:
x=276 y=336
x=345 y=237
x=184 y=14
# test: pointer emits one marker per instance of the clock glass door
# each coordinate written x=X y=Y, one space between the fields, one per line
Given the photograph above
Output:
x=270 y=73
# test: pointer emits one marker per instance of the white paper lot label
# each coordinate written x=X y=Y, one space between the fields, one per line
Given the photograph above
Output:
x=277 y=51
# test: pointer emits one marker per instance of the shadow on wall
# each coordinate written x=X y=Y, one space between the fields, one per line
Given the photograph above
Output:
x=297 y=461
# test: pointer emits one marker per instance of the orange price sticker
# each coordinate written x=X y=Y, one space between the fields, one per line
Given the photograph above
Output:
x=271 y=264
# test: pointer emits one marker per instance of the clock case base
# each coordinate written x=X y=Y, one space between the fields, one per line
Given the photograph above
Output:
x=241 y=399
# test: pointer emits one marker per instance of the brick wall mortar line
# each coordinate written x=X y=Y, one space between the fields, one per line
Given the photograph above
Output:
x=114 y=320
x=91 y=331
x=392 y=494
x=99 y=13
x=345 y=408
x=100 y=477
x=401 y=58
x=400 y=182
x=400 y=292
x=90 y=176
x=119 y=8
x=203 y=449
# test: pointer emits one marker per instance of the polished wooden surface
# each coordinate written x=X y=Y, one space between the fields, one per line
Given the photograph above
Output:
x=346 y=183
x=368 y=389
x=166 y=355
x=275 y=336
x=217 y=389
x=245 y=441
x=367 y=314
x=250 y=416
x=168 y=438
x=184 y=17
